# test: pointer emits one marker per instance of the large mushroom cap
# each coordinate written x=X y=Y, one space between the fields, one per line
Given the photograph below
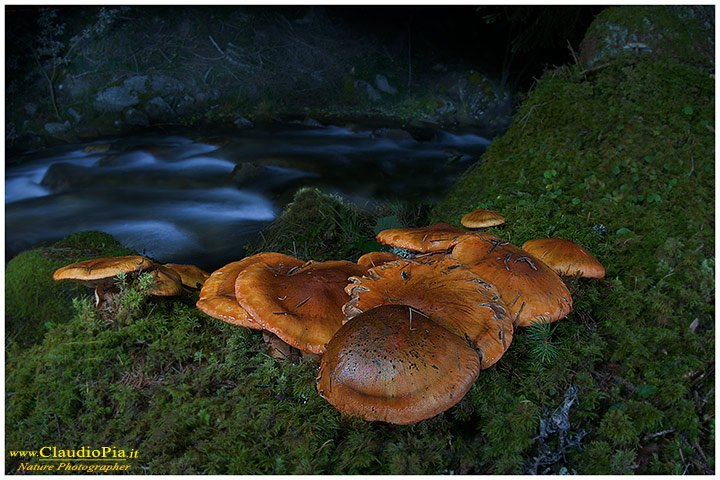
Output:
x=482 y=218
x=531 y=290
x=217 y=296
x=302 y=306
x=100 y=270
x=192 y=277
x=167 y=282
x=451 y=294
x=393 y=364
x=565 y=257
x=433 y=238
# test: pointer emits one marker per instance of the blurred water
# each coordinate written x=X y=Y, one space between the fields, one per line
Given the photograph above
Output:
x=200 y=199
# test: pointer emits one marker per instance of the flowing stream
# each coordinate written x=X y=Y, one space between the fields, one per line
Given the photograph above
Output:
x=199 y=199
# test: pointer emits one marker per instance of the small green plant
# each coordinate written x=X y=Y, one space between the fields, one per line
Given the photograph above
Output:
x=129 y=302
x=542 y=347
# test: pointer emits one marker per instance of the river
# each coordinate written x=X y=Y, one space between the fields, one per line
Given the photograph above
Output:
x=200 y=198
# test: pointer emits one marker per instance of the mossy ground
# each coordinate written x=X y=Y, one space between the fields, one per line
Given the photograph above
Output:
x=34 y=303
x=628 y=147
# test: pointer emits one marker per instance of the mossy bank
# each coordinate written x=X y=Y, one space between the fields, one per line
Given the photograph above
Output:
x=617 y=158
x=620 y=158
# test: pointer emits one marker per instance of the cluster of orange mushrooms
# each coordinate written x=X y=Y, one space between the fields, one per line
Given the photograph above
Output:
x=398 y=340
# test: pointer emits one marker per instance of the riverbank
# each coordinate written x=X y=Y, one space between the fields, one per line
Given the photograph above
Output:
x=111 y=71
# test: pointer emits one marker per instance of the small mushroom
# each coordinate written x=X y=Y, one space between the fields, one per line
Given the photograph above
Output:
x=217 y=296
x=302 y=306
x=451 y=294
x=531 y=290
x=192 y=277
x=565 y=257
x=482 y=218
x=100 y=273
x=433 y=238
x=167 y=282
x=98 y=270
x=394 y=364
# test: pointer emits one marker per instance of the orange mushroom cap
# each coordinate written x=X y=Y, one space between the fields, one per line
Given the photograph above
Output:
x=373 y=259
x=565 y=257
x=99 y=271
x=433 y=238
x=217 y=296
x=167 y=282
x=451 y=294
x=393 y=364
x=192 y=277
x=482 y=218
x=531 y=290
x=302 y=306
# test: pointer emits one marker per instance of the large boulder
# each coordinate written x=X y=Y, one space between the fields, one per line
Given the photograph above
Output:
x=118 y=98
x=683 y=33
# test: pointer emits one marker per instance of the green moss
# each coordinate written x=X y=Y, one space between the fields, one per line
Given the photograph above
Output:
x=34 y=302
x=319 y=226
x=629 y=148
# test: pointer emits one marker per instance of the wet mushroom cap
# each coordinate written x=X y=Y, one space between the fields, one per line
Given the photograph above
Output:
x=373 y=259
x=217 y=296
x=433 y=238
x=167 y=282
x=302 y=306
x=482 y=218
x=395 y=365
x=531 y=290
x=451 y=294
x=192 y=277
x=99 y=271
x=565 y=257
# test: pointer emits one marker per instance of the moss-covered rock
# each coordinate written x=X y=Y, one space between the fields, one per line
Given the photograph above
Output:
x=318 y=226
x=620 y=160
x=683 y=33
x=34 y=302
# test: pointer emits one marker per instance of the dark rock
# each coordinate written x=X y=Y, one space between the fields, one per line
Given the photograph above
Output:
x=382 y=84
x=76 y=87
x=396 y=134
x=158 y=110
x=242 y=122
x=366 y=91
x=29 y=141
x=245 y=174
x=63 y=176
x=307 y=122
x=166 y=86
x=185 y=106
x=135 y=117
x=56 y=128
x=311 y=122
x=74 y=114
x=136 y=84
x=115 y=99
